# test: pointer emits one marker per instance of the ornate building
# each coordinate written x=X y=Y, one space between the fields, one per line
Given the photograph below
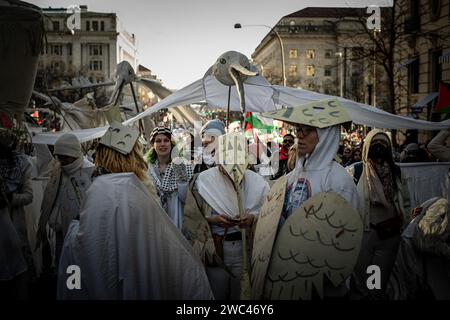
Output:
x=423 y=55
x=320 y=52
x=92 y=52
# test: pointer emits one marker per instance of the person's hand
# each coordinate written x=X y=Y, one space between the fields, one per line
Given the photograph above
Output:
x=220 y=220
x=246 y=221
x=415 y=212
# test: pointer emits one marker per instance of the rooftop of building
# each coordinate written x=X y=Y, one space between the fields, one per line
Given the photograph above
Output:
x=322 y=12
x=141 y=68
x=83 y=9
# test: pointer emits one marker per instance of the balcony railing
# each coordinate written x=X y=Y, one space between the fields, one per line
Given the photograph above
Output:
x=305 y=29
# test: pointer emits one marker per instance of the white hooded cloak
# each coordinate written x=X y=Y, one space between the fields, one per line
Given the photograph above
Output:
x=319 y=173
x=127 y=248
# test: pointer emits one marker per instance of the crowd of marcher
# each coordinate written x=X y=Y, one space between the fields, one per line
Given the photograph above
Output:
x=167 y=225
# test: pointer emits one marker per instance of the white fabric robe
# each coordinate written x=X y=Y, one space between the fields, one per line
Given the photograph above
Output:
x=127 y=247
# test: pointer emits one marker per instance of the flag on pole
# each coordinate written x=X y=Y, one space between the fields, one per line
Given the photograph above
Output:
x=443 y=102
x=252 y=121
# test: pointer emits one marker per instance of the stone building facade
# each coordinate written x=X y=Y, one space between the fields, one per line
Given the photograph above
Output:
x=92 y=52
x=320 y=52
x=423 y=55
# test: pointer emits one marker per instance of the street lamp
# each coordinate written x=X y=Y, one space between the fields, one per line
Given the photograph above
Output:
x=239 y=26
x=341 y=69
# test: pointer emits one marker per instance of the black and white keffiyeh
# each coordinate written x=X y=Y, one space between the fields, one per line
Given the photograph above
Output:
x=167 y=182
x=160 y=130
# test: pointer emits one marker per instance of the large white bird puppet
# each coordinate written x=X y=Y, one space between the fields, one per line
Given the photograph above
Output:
x=82 y=114
x=125 y=75
x=233 y=68
x=261 y=96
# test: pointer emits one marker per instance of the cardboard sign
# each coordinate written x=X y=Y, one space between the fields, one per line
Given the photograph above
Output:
x=319 y=114
x=321 y=238
x=266 y=229
x=120 y=138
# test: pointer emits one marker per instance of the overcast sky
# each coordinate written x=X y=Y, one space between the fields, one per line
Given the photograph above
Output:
x=180 y=39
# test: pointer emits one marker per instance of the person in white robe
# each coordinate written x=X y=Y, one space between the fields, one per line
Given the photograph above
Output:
x=16 y=264
x=124 y=243
x=315 y=172
x=213 y=224
x=385 y=208
x=65 y=191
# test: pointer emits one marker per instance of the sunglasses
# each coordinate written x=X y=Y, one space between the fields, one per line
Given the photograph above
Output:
x=304 y=130
x=288 y=141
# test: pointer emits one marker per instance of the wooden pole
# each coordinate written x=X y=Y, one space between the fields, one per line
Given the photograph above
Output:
x=246 y=289
x=228 y=108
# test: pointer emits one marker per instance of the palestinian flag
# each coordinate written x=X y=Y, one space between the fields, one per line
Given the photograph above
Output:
x=443 y=102
x=252 y=121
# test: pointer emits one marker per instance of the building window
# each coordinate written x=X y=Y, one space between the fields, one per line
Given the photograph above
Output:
x=55 y=65
x=413 y=76
x=435 y=9
x=327 y=72
x=293 y=54
x=357 y=53
x=293 y=70
x=56 y=49
x=414 y=11
x=102 y=25
x=310 y=71
x=311 y=86
x=95 y=50
x=56 y=26
x=88 y=26
x=95 y=65
x=95 y=25
x=328 y=54
x=435 y=70
x=310 y=53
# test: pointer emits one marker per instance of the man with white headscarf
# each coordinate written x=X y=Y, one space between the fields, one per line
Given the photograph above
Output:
x=63 y=197
x=212 y=220
x=210 y=133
